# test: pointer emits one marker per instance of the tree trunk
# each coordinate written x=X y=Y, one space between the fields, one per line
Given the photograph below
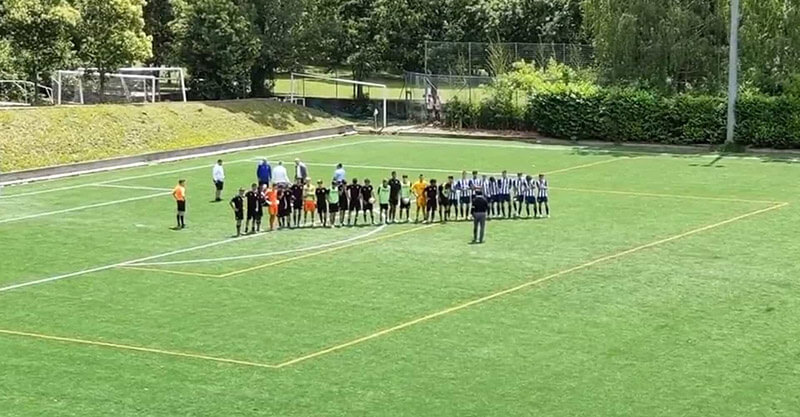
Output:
x=102 y=86
x=258 y=78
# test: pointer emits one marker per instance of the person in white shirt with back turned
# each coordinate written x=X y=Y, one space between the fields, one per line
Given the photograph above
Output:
x=218 y=176
x=279 y=175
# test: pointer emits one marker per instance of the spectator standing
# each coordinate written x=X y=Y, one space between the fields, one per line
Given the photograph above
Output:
x=264 y=173
x=279 y=175
x=339 y=174
x=218 y=176
x=300 y=170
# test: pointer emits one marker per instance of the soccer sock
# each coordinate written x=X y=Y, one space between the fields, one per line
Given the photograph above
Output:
x=547 y=207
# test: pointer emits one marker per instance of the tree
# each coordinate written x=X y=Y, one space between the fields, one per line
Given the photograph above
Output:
x=277 y=23
x=770 y=44
x=38 y=31
x=112 y=35
x=158 y=18
x=219 y=47
x=667 y=45
x=544 y=21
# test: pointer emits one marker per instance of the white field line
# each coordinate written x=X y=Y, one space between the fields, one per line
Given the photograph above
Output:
x=79 y=208
x=179 y=170
x=266 y=254
x=296 y=152
x=132 y=261
x=173 y=159
x=131 y=187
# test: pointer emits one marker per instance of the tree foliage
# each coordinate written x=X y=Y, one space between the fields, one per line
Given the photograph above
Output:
x=112 y=35
x=39 y=32
x=219 y=48
x=158 y=18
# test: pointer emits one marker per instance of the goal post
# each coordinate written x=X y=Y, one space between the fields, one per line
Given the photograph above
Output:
x=297 y=75
x=163 y=75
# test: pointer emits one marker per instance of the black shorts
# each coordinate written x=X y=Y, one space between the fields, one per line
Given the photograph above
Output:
x=368 y=206
x=355 y=205
x=298 y=205
x=431 y=204
x=322 y=207
x=518 y=198
x=182 y=205
x=384 y=206
x=542 y=199
x=333 y=207
x=465 y=200
x=504 y=198
x=444 y=202
x=393 y=201
x=251 y=214
x=452 y=202
x=239 y=214
x=530 y=200
x=219 y=185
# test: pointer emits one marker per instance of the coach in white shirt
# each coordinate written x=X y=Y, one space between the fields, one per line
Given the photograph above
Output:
x=218 y=176
x=279 y=175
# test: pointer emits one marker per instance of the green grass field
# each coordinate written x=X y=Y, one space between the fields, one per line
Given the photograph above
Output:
x=662 y=285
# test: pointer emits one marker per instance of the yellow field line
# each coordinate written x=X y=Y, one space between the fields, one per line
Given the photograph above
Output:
x=334 y=249
x=169 y=271
x=681 y=196
x=135 y=348
x=591 y=164
x=523 y=286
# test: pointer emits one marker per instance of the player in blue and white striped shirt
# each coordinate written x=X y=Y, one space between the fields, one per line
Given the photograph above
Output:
x=504 y=193
x=464 y=193
x=492 y=196
x=530 y=197
x=541 y=196
x=519 y=193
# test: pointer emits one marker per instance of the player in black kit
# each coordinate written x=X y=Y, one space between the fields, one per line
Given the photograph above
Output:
x=431 y=198
x=297 y=202
x=237 y=204
x=254 y=210
x=394 y=196
x=368 y=200
x=354 y=197
x=321 y=194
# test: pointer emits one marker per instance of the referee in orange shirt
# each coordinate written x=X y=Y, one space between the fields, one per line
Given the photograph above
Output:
x=179 y=193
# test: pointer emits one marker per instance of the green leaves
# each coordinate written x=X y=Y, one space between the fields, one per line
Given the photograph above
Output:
x=219 y=47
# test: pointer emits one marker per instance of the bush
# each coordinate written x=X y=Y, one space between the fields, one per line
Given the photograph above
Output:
x=560 y=102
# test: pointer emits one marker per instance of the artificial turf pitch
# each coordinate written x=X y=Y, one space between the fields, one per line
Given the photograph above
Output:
x=662 y=285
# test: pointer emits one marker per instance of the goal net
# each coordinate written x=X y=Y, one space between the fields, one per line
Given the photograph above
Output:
x=84 y=87
x=339 y=95
x=170 y=81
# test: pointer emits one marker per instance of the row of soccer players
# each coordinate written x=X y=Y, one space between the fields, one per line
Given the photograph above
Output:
x=296 y=205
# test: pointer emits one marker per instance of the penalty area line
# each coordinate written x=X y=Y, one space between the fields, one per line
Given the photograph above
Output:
x=168 y=271
x=524 y=286
x=133 y=348
x=322 y=252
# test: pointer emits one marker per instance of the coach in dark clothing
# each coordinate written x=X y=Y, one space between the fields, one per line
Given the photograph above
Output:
x=480 y=205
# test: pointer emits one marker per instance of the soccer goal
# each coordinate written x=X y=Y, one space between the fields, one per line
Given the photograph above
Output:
x=303 y=85
x=170 y=81
x=83 y=86
x=23 y=93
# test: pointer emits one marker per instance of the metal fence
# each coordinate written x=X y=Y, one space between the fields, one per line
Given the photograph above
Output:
x=424 y=92
x=474 y=58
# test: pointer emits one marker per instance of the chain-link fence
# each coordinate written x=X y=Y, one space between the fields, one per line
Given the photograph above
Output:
x=480 y=58
x=425 y=94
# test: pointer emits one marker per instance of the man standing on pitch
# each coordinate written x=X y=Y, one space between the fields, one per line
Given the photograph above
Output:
x=394 y=196
x=218 y=175
x=179 y=193
x=237 y=204
x=479 y=208
x=264 y=173
x=300 y=170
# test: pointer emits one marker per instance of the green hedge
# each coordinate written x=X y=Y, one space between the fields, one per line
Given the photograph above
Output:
x=638 y=116
x=45 y=136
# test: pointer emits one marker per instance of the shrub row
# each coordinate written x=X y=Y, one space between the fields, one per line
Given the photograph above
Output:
x=638 y=116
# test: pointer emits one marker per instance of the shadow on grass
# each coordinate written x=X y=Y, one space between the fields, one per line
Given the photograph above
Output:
x=269 y=113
